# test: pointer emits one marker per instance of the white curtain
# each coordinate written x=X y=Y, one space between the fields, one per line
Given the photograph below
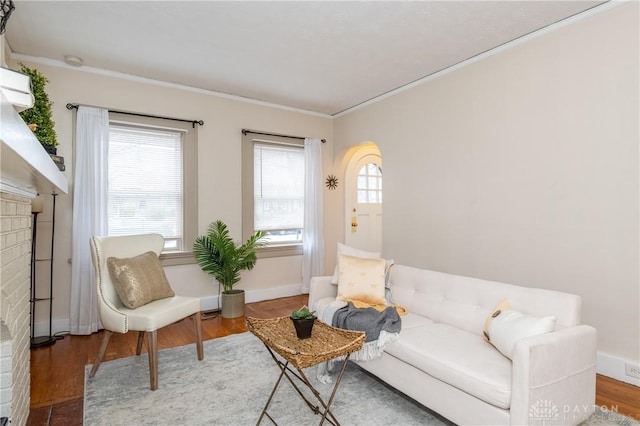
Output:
x=89 y=213
x=312 y=235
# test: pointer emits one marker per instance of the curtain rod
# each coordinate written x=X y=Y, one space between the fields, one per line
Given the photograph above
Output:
x=245 y=131
x=193 y=122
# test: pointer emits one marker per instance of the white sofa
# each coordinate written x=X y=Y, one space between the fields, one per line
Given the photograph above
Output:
x=442 y=361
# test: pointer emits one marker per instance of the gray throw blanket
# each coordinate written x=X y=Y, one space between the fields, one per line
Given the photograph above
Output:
x=381 y=328
x=369 y=320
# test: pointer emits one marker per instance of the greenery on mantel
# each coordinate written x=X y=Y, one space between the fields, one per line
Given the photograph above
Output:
x=40 y=114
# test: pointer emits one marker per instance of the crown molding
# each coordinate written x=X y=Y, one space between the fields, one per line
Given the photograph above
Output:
x=488 y=53
x=150 y=81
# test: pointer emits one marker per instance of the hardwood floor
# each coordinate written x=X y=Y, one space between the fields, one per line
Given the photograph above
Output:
x=618 y=396
x=57 y=371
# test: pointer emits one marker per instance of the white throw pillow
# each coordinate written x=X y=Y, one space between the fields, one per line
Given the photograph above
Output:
x=350 y=251
x=505 y=327
x=361 y=279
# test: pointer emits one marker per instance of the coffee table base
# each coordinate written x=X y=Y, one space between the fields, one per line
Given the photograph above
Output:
x=289 y=373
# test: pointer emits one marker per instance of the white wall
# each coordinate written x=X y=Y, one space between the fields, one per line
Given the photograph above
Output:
x=523 y=168
x=219 y=173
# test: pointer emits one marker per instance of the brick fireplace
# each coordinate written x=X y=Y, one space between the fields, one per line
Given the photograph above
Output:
x=15 y=273
x=25 y=170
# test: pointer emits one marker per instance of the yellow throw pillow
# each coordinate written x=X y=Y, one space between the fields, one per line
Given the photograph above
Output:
x=361 y=279
x=350 y=251
x=504 y=327
x=139 y=280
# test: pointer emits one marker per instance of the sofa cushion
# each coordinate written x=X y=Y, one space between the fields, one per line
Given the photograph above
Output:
x=350 y=251
x=411 y=320
x=466 y=302
x=460 y=358
x=361 y=279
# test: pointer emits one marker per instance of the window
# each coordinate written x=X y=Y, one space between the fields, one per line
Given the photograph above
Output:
x=152 y=171
x=273 y=191
x=370 y=184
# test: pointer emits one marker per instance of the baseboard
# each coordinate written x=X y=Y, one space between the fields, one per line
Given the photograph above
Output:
x=273 y=293
x=59 y=325
x=614 y=367
x=209 y=303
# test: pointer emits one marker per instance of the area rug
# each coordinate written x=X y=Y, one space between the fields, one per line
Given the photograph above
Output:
x=232 y=384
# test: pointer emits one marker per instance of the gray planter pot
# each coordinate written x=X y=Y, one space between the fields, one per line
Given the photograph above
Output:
x=232 y=304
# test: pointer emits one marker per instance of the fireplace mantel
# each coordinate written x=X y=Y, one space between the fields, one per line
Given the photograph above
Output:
x=26 y=167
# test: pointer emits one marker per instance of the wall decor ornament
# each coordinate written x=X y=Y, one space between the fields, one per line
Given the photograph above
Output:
x=6 y=8
x=331 y=182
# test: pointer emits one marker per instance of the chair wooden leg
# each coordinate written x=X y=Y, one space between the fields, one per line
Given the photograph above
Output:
x=198 y=327
x=101 y=352
x=140 y=342
x=152 y=343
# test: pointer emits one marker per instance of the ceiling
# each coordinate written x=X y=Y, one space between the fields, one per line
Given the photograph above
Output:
x=320 y=56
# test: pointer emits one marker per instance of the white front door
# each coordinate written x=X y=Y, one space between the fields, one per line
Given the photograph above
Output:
x=363 y=201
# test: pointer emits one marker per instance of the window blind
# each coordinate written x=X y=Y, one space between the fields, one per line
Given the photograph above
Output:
x=145 y=183
x=279 y=189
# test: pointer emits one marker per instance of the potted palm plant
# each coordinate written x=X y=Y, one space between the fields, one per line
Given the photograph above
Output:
x=219 y=255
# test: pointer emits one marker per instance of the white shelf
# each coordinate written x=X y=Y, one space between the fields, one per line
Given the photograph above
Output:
x=26 y=168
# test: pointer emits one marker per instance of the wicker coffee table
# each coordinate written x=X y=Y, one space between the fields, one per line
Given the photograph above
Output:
x=325 y=343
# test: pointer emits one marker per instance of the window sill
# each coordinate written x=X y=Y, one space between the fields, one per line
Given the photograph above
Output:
x=187 y=258
x=280 y=251
x=177 y=258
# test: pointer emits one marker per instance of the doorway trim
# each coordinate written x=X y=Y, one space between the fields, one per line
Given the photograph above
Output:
x=369 y=151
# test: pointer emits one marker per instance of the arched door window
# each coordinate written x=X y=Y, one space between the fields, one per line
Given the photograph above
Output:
x=363 y=198
x=370 y=184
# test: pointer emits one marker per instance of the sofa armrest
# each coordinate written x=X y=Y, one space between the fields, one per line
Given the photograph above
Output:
x=554 y=377
x=319 y=288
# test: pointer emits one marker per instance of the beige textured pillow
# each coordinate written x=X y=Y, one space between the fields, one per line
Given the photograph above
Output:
x=139 y=280
x=361 y=279
x=350 y=251
x=504 y=327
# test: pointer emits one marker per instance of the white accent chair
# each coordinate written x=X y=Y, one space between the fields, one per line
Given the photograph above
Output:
x=146 y=319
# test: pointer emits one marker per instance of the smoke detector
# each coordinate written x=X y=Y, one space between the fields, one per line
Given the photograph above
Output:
x=73 y=60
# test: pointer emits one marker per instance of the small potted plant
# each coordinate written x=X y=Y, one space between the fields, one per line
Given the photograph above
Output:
x=303 y=320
